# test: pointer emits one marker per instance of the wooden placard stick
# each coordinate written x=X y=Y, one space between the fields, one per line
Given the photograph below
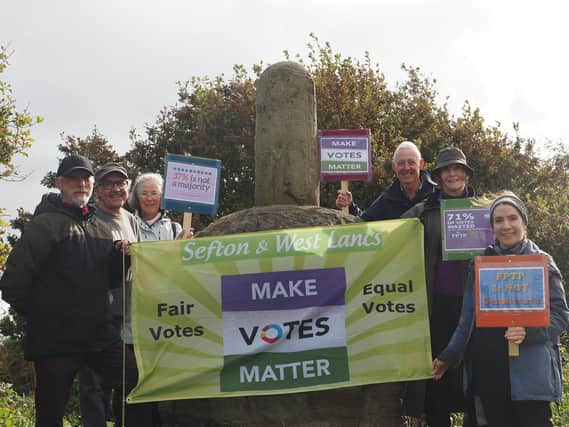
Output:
x=187 y=224
x=344 y=186
x=513 y=349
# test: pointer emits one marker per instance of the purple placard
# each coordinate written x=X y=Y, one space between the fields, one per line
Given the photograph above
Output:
x=467 y=229
x=345 y=155
x=283 y=290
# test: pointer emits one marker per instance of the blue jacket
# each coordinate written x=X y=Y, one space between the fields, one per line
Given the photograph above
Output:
x=393 y=202
x=536 y=373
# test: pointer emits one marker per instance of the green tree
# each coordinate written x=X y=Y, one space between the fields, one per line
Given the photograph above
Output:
x=15 y=138
x=15 y=133
x=12 y=327
x=4 y=246
x=354 y=94
x=215 y=118
x=95 y=147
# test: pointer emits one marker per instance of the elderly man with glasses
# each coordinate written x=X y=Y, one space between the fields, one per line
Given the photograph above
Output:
x=111 y=193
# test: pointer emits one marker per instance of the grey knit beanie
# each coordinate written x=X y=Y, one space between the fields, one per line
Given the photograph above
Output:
x=513 y=200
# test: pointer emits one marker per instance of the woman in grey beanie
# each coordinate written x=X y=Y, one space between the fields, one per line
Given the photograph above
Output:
x=514 y=391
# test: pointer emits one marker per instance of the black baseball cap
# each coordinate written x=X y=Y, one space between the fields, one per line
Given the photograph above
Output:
x=74 y=162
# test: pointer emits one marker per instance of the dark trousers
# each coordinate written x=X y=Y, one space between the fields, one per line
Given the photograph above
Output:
x=94 y=401
x=54 y=376
x=491 y=382
x=501 y=411
x=437 y=417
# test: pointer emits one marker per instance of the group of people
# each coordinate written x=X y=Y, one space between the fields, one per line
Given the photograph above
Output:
x=65 y=277
x=472 y=372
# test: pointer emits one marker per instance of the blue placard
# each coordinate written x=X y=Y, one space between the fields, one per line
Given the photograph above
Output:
x=512 y=288
x=191 y=184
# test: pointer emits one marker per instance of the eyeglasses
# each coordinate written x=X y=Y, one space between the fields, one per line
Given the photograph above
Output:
x=109 y=185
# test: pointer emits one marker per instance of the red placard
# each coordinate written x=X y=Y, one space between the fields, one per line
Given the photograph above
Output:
x=511 y=290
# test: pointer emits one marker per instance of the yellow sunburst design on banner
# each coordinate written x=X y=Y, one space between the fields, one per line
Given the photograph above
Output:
x=177 y=314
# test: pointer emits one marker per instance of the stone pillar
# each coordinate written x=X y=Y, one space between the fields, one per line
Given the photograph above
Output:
x=287 y=174
x=286 y=153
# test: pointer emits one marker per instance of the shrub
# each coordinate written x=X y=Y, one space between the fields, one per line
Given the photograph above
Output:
x=18 y=410
x=15 y=410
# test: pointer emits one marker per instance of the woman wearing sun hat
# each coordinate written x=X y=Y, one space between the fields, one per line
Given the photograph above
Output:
x=445 y=287
x=514 y=391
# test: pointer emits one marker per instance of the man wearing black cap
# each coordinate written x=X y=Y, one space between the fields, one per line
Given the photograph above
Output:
x=111 y=191
x=58 y=277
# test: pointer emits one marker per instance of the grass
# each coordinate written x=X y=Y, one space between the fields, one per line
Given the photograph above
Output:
x=17 y=410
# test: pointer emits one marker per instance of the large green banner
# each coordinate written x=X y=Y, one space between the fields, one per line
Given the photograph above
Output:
x=280 y=312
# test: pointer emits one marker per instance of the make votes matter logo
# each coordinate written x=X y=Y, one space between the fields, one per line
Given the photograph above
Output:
x=284 y=329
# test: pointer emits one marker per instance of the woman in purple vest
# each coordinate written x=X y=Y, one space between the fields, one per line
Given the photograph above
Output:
x=445 y=287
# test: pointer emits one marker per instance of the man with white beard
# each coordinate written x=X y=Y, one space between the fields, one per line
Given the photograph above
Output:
x=58 y=277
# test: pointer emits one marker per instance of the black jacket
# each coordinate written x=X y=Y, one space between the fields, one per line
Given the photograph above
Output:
x=58 y=276
x=429 y=212
x=393 y=202
x=445 y=394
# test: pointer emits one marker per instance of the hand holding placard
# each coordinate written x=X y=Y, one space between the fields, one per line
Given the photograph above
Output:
x=515 y=336
x=344 y=189
x=345 y=155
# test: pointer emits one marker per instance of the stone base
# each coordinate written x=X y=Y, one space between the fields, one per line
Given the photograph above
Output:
x=376 y=405
x=371 y=405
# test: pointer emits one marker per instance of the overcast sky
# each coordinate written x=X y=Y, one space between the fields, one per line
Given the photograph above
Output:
x=114 y=64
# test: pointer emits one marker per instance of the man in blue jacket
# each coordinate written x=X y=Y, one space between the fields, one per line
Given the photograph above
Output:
x=413 y=185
